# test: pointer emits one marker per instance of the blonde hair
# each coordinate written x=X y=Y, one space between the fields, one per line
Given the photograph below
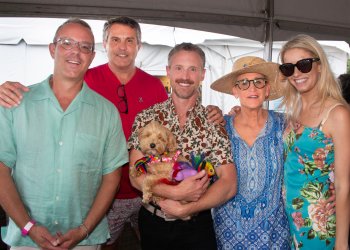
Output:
x=327 y=85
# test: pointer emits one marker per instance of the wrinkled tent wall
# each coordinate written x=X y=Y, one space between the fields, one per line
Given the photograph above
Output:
x=31 y=63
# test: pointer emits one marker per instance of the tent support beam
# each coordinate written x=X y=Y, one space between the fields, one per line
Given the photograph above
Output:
x=268 y=41
x=144 y=15
x=210 y=20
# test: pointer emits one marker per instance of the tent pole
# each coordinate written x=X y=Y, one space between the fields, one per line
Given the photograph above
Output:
x=269 y=30
x=268 y=35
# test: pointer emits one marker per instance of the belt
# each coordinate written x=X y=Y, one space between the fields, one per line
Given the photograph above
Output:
x=155 y=210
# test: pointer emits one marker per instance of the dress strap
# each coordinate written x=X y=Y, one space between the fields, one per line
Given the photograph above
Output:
x=326 y=117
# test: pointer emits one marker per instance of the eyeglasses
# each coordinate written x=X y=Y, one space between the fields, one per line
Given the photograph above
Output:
x=303 y=65
x=245 y=83
x=123 y=103
x=69 y=44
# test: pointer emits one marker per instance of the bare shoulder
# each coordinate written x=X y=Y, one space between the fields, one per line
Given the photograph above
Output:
x=339 y=112
x=338 y=119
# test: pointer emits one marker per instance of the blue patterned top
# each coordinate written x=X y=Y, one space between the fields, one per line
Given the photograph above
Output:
x=255 y=217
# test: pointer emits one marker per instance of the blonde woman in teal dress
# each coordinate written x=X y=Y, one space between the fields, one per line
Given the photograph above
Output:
x=317 y=148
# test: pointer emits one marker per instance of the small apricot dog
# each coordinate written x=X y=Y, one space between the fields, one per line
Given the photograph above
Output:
x=159 y=146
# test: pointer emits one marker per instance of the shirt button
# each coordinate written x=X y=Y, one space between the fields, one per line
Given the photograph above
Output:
x=57 y=198
x=58 y=170
x=56 y=222
x=60 y=143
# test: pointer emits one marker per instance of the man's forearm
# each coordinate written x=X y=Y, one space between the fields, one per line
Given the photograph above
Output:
x=221 y=191
x=103 y=200
x=10 y=199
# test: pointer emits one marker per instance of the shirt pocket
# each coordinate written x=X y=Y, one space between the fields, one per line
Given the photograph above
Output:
x=87 y=152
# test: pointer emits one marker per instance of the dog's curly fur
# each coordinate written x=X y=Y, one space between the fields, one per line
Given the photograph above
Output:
x=155 y=140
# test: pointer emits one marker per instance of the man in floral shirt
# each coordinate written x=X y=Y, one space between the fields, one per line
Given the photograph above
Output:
x=184 y=115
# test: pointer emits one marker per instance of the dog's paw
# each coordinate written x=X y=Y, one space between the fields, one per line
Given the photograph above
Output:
x=146 y=198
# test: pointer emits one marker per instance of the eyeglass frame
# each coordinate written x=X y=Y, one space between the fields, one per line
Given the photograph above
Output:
x=75 y=44
x=249 y=81
x=309 y=60
x=123 y=99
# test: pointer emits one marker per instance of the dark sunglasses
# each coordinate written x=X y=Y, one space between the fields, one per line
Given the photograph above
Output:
x=245 y=83
x=303 y=65
x=123 y=103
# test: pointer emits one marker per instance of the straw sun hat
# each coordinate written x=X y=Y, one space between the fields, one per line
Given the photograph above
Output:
x=251 y=64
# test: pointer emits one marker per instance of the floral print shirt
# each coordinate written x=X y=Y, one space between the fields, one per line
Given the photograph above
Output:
x=197 y=136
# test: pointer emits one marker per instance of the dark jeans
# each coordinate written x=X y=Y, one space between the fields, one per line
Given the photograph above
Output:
x=2 y=217
x=3 y=222
x=194 y=234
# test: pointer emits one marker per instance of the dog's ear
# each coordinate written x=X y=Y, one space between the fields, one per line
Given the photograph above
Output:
x=140 y=133
x=171 y=145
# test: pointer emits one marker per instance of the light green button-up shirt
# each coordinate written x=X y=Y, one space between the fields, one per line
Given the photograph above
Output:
x=58 y=157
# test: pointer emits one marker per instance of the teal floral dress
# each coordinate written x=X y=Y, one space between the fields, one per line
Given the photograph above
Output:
x=308 y=172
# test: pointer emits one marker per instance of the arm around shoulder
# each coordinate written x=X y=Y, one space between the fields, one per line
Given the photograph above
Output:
x=11 y=94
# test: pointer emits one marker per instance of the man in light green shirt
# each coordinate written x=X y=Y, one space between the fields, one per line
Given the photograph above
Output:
x=60 y=153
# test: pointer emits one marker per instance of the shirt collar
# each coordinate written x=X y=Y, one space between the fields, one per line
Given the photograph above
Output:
x=44 y=91
x=197 y=105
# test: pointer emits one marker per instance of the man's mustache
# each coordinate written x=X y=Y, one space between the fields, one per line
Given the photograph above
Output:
x=186 y=81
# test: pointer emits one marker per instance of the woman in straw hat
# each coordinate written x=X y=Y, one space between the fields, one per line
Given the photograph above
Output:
x=317 y=148
x=255 y=217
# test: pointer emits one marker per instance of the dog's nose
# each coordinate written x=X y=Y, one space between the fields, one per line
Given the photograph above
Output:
x=152 y=145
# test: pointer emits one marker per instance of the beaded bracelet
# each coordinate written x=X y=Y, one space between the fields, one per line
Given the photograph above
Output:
x=82 y=225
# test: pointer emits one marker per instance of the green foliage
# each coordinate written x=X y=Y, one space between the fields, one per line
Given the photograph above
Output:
x=311 y=234
x=297 y=203
x=312 y=192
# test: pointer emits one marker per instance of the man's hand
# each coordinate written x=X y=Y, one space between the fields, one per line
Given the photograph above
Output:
x=174 y=209
x=42 y=237
x=192 y=188
x=11 y=94
x=235 y=111
x=215 y=115
x=331 y=198
x=71 y=238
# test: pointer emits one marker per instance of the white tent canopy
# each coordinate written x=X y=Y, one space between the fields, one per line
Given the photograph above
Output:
x=25 y=57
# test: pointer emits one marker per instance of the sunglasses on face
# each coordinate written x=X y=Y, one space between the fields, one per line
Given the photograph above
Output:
x=303 y=65
x=245 y=83
x=123 y=103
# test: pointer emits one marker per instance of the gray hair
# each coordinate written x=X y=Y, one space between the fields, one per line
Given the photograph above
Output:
x=123 y=20
x=76 y=21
